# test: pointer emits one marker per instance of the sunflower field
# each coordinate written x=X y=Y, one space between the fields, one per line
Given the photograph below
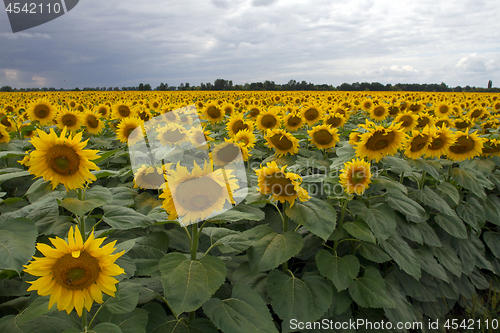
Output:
x=249 y=212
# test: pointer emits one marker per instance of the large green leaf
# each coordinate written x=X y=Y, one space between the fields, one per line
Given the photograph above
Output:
x=450 y=190
x=492 y=209
x=271 y=249
x=381 y=220
x=452 y=225
x=468 y=179
x=411 y=209
x=432 y=199
x=124 y=218
x=105 y=328
x=373 y=252
x=132 y=322
x=449 y=259
x=125 y=299
x=431 y=167
x=492 y=239
x=403 y=310
x=244 y=312
x=429 y=263
x=12 y=175
x=402 y=254
x=17 y=243
x=340 y=270
x=96 y=196
x=304 y=299
x=316 y=215
x=159 y=322
x=187 y=284
x=360 y=231
x=370 y=291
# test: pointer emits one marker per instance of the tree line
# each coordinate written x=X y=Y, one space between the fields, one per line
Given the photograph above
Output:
x=292 y=85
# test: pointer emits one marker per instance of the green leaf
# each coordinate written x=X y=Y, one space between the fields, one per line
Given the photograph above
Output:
x=402 y=254
x=234 y=215
x=12 y=175
x=403 y=310
x=244 y=312
x=124 y=218
x=388 y=184
x=316 y=215
x=159 y=322
x=411 y=209
x=234 y=243
x=96 y=196
x=373 y=252
x=396 y=164
x=449 y=259
x=492 y=239
x=17 y=243
x=452 y=225
x=428 y=234
x=409 y=230
x=468 y=179
x=271 y=249
x=105 y=328
x=187 y=284
x=105 y=155
x=431 y=167
x=370 y=291
x=38 y=307
x=381 y=221
x=340 y=270
x=304 y=299
x=9 y=154
x=450 y=190
x=430 y=264
x=468 y=214
x=432 y=199
x=360 y=231
x=132 y=322
x=125 y=299
x=492 y=209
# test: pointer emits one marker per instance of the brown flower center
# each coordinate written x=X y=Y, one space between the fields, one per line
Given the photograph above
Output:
x=92 y=121
x=228 y=153
x=463 y=145
x=198 y=194
x=379 y=140
x=281 y=142
x=42 y=111
x=239 y=125
x=69 y=120
x=278 y=184
x=269 y=121
x=63 y=160
x=419 y=142
x=323 y=137
x=213 y=112
x=124 y=110
x=76 y=273
x=311 y=114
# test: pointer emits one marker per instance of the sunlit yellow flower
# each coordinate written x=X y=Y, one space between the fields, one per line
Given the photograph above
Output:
x=356 y=176
x=379 y=142
x=213 y=113
x=418 y=142
x=293 y=121
x=440 y=142
x=311 y=114
x=227 y=152
x=123 y=110
x=236 y=123
x=335 y=120
x=74 y=273
x=4 y=135
x=246 y=137
x=149 y=177
x=92 y=123
x=102 y=110
x=62 y=160
x=379 y=112
x=41 y=110
x=466 y=146
x=268 y=120
x=282 y=186
x=408 y=121
x=125 y=130
x=71 y=119
x=491 y=147
x=323 y=136
x=282 y=141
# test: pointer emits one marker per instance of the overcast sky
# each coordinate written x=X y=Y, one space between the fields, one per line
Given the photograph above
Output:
x=123 y=43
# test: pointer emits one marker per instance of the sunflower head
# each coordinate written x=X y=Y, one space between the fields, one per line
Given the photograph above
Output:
x=323 y=136
x=293 y=121
x=311 y=114
x=130 y=129
x=283 y=142
x=379 y=112
x=213 y=113
x=75 y=273
x=228 y=152
x=281 y=185
x=268 y=120
x=172 y=134
x=236 y=123
x=466 y=146
x=356 y=176
x=491 y=147
x=408 y=121
x=92 y=123
x=418 y=142
x=379 y=142
x=150 y=177
x=41 y=110
x=71 y=119
x=440 y=141
x=4 y=134
x=123 y=110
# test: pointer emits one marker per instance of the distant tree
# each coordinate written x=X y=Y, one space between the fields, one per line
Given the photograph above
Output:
x=490 y=84
x=147 y=87
x=6 y=89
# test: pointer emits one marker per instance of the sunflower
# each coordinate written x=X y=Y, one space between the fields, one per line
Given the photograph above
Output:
x=293 y=121
x=311 y=114
x=62 y=160
x=424 y=119
x=491 y=147
x=444 y=121
x=379 y=142
x=477 y=112
x=323 y=136
x=282 y=186
x=92 y=123
x=366 y=104
x=74 y=273
x=418 y=142
x=237 y=123
x=194 y=196
x=7 y=122
x=282 y=141
x=172 y=134
x=41 y=110
x=355 y=176
x=4 y=135
x=70 y=119
x=443 y=109
x=102 y=110
x=228 y=108
x=408 y=121
x=440 y=142
x=198 y=136
x=268 y=120
x=123 y=110
x=125 y=131
x=246 y=137
x=466 y=146
x=72 y=104
x=225 y=153
x=354 y=138
x=254 y=111
x=379 y=112
x=463 y=123
x=213 y=113
x=149 y=177
x=335 y=120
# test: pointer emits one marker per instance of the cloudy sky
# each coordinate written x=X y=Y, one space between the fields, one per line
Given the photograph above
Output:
x=123 y=43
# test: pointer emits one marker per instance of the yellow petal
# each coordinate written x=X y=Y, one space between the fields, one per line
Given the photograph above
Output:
x=95 y=292
x=79 y=301
x=75 y=254
x=54 y=297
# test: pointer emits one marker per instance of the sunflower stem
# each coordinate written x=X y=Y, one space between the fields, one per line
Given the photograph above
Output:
x=84 y=320
x=81 y=219
x=422 y=182
x=341 y=222
x=194 y=241
x=285 y=229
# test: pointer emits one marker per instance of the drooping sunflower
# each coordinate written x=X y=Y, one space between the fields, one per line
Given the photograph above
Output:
x=491 y=147
x=281 y=185
x=293 y=121
x=7 y=122
x=71 y=119
x=323 y=136
x=194 y=196
x=246 y=137
x=125 y=131
x=379 y=112
x=213 y=113
x=440 y=142
x=424 y=119
x=41 y=110
x=92 y=122
x=150 y=177
x=463 y=123
x=466 y=146
x=380 y=141
x=4 y=135
x=311 y=114
x=268 y=120
x=356 y=176
x=123 y=110
x=74 y=273
x=408 y=121
x=62 y=160
x=227 y=152
x=335 y=120
x=102 y=110
x=282 y=142
x=172 y=134
x=418 y=142
x=236 y=123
